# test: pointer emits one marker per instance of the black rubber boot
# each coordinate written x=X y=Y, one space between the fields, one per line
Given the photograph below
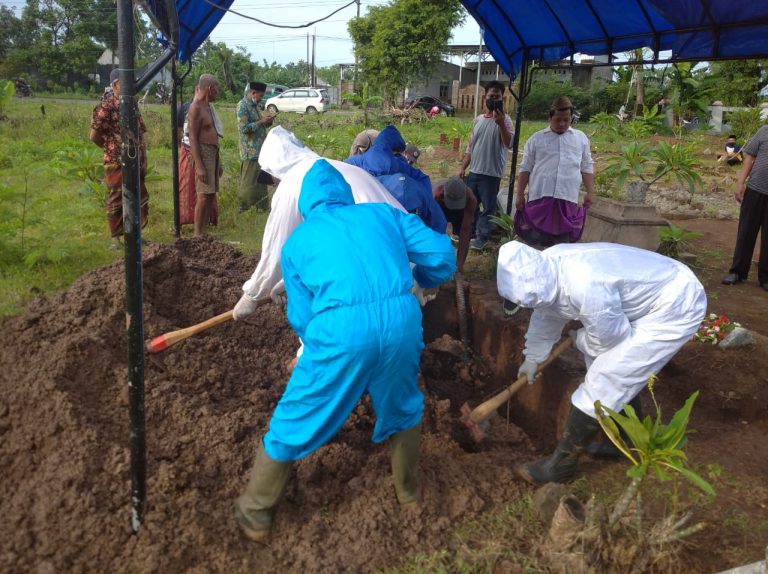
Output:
x=405 y=449
x=561 y=465
x=605 y=448
x=254 y=509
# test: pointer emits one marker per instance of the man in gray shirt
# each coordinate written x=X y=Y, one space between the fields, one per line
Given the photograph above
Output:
x=486 y=157
x=753 y=216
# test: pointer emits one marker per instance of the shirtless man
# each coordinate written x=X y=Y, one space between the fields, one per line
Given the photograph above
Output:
x=204 y=133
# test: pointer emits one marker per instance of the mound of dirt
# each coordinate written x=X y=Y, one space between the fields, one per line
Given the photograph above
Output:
x=65 y=494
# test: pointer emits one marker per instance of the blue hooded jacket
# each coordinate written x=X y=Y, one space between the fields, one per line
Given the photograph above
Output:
x=347 y=255
x=381 y=159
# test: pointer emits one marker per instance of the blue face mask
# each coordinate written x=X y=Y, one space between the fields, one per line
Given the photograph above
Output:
x=255 y=101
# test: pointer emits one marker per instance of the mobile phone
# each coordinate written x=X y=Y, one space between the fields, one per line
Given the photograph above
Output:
x=496 y=105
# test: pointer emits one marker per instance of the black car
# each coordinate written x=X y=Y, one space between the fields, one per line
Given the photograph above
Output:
x=426 y=103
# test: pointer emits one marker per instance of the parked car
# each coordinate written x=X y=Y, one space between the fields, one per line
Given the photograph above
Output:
x=274 y=89
x=426 y=103
x=309 y=100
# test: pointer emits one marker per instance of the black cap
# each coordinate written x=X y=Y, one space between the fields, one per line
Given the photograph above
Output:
x=114 y=75
x=258 y=86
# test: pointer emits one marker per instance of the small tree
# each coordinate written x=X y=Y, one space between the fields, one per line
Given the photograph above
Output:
x=648 y=165
x=7 y=89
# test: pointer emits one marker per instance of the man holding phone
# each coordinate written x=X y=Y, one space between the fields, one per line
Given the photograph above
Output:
x=252 y=129
x=486 y=157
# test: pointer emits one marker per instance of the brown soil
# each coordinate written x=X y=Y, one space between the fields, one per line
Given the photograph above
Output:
x=65 y=493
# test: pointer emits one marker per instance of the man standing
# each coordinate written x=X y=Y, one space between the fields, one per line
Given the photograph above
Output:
x=752 y=194
x=458 y=204
x=556 y=161
x=204 y=132
x=348 y=280
x=486 y=157
x=105 y=133
x=638 y=309
x=252 y=128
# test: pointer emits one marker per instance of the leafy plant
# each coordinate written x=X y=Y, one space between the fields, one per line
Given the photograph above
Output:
x=507 y=224
x=745 y=123
x=648 y=165
x=605 y=123
x=7 y=89
x=673 y=238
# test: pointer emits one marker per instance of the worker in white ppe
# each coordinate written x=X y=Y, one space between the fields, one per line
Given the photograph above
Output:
x=288 y=159
x=638 y=309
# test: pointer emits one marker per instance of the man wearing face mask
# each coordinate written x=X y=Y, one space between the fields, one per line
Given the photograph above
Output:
x=486 y=157
x=252 y=129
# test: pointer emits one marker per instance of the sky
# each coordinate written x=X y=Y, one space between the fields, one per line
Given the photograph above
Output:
x=332 y=43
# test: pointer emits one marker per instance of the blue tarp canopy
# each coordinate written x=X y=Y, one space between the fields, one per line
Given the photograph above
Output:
x=196 y=21
x=550 y=30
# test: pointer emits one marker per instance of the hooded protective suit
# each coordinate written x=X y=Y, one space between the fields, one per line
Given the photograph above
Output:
x=285 y=157
x=410 y=193
x=383 y=158
x=637 y=307
x=347 y=274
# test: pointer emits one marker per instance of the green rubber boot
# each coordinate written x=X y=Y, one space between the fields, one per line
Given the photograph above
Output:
x=405 y=448
x=255 y=508
x=562 y=464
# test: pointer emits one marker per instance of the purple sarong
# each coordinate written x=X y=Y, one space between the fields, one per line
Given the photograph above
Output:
x=550 y=216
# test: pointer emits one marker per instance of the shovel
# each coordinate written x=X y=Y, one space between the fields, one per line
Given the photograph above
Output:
x=472 y=418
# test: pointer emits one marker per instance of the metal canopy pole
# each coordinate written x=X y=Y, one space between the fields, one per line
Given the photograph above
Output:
x=175 y=149
x=523 y=91
x=477 y=82
x=130 y=158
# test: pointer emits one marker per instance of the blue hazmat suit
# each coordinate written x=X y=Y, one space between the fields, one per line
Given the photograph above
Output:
x=383 y=158
x=410 y=193
x=348 y=279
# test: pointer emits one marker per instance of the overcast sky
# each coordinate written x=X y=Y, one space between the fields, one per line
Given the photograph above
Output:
x=281 y=45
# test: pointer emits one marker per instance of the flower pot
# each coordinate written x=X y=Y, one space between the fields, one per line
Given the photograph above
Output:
x=636 y=191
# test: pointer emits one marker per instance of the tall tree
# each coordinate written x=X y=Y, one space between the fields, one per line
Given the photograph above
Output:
x=402 y=42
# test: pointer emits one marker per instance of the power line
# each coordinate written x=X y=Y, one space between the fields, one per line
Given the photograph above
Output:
x=279 y=25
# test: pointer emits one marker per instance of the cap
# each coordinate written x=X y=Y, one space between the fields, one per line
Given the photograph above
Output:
x=412 y=153
x=114 y=75
x=455 y=193
x=363 y=141
x=258 y=86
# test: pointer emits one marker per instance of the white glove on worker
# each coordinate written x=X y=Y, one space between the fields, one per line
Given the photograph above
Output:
x=528 y=368
x=280 y=299
x=245 y=307
x=578 y=337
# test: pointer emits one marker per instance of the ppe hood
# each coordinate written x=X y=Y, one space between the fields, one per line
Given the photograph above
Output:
x=282 y=151
x=323 y=187
x=526 y=276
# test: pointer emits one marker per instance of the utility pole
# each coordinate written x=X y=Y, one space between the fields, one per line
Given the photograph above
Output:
x=354 y=78
x=309 y=71
x=314 y=70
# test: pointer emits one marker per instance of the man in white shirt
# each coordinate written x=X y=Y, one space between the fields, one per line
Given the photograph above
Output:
x=556 y=161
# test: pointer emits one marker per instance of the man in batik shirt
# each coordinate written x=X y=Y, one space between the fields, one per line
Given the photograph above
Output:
x=105 y=133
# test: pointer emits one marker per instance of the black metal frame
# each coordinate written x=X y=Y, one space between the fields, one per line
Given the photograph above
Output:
x=131 y=182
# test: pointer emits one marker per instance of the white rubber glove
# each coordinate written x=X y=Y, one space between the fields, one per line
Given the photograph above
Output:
x=418 y=292
x=245 y=307
x=529 y=369
x=280 y=299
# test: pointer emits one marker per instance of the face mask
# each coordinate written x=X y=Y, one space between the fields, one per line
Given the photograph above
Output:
x=255 y=101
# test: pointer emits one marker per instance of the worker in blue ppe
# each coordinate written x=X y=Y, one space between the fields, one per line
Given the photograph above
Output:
x=384 y=160
x=348 y=280
x=411 y=195
x=638 y=309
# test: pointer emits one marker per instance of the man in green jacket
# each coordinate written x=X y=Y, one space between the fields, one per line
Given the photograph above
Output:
x=252 y=129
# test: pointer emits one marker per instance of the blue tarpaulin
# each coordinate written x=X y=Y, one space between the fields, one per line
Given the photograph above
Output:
x=550 y=30
x=197 y=19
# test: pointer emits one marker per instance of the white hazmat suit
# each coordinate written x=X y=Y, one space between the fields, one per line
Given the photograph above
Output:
x=285 y=157
x=637 y=307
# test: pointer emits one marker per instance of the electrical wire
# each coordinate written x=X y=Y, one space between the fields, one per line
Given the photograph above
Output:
x=279 y=25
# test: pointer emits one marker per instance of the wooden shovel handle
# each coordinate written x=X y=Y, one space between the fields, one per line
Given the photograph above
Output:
x=485 y=410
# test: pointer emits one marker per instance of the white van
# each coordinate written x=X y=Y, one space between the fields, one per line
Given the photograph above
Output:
x=302 y=100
